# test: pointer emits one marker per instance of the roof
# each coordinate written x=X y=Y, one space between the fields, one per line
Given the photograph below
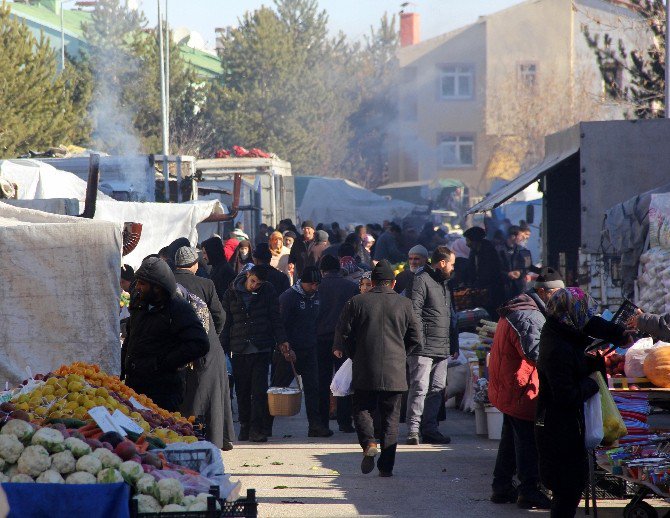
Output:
x=73 y=19
x=413 y=52
x=522 y=181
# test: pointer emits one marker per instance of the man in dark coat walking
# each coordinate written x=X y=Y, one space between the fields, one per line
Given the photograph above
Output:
x=334 y=292
x=377 y=330
x=484 y=269
x=298 y=255
x=386 y=246
x=299 y=307
x=431 y=302
x=207 y=388
x=515 y=262
x=317 y=248
x=253 y=328
x=164 y=334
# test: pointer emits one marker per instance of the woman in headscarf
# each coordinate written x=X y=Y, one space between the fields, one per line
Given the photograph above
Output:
x=365 y=284
x=279 y=252
x=566 y=381
x=222 y=273
x=241 y=257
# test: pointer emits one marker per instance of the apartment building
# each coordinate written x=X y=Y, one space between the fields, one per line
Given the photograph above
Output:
x=474 y=104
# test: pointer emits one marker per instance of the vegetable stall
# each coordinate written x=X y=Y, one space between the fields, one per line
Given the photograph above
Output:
x=79 y=426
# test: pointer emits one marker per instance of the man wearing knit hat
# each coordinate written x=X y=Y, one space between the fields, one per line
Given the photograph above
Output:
x=317 y=248
x=417 y=258
x=513 y=389
x=377 y=330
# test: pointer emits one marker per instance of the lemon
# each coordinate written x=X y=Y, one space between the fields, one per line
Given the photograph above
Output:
x=73 y=396
x=22 y=406
x=101 y=392
x=88 y=404
x=49 y=398
x=75 y=386
x=48 y=389
x=124 y=410
x=40 y=411
x=61 y=392
x=51 y=382
x=71 y=405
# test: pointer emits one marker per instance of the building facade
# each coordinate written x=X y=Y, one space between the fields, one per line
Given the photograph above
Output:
x=475 y=104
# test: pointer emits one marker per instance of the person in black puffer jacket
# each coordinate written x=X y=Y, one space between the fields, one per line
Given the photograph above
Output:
x=564 y=371
x=433 y=308
x=253 y=328
x=222 y=274
x=164 y=334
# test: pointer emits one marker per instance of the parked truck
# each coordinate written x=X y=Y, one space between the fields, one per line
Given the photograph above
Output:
x=588 y=169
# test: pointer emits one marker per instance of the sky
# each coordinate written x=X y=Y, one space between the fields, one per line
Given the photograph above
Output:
x=353 y=17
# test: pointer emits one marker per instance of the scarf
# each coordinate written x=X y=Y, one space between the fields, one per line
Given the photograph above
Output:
x=572 y=307
x=349 y=264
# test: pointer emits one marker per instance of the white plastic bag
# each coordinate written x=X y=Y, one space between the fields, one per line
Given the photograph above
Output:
x=633 y=366
x=593 y=418
x=341 y=384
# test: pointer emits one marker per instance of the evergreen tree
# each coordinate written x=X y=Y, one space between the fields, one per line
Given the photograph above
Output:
x=38 y=107
x=644 y=67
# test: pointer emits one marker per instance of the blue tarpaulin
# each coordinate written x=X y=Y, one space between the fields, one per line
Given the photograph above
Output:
x=68 y=500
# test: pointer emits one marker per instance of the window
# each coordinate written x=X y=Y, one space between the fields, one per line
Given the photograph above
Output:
x=528 y=75
x=612 y=73
x=457 y=81
x=457 y=151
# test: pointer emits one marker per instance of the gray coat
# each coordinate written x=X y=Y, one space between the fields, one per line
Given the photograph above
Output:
x=377 y=330
x=657 y=326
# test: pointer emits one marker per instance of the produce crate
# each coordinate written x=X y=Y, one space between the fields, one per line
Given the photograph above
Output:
x=470 y=298
x=611 y=487
x=195 y=459
x=240 y=508
x=623 y=383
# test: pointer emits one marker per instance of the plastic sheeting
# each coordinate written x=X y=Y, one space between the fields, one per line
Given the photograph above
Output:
x=37 y=180
x=333 y=199
x=162 y=223
x=59 y=291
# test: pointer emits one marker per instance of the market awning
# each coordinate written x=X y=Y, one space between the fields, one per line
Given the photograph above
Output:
x=523 y=180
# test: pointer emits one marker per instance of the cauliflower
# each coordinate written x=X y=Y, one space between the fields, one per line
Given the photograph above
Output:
x=147 y=504
x=188 y=500
x=20 y=429
x=89 y=463
x=50 y=477
x=131 y=471
x=109 y=476
x=10 y=448
x=204 y=497
x=34 y=460
x=63 y=462
x=80 y=477
x=51 y=439
x=146 y=485
x=78 y=447
x=197 y=506
x=3 y=478
x=108 y=458
x=21 y=478
x=173 y=508
x=11 y=470
x=170 y=491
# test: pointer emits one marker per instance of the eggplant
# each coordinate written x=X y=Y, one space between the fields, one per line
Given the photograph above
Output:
x=112 y=438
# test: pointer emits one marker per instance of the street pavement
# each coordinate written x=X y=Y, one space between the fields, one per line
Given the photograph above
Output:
x=297 y=476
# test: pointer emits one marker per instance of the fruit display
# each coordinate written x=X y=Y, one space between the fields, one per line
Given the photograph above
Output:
x=657 y=366
x=70 y=392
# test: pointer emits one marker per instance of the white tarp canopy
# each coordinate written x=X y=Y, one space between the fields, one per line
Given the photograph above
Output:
x=59 y=291
x=37 y=180
x=162 y=223
x=334 y=199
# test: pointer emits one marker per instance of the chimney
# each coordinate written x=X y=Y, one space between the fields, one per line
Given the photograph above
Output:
x=409 y=29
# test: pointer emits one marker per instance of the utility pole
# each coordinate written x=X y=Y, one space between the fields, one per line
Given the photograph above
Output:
x=166 y=142
x=167 y=70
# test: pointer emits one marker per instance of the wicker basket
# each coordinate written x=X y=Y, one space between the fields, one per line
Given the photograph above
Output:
x=284 y=405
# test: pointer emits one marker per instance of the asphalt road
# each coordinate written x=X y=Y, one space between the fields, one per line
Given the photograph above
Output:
x=296 y=476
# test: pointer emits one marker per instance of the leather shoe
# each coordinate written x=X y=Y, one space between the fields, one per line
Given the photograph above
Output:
x=413 y=439
x=244 y=434
x=227 y=446
x=505 y=498
x=257 y=437
x=319 y=432
x=368 y=462
x=535 y=500
x=347 y=428
x=385 y=474
x=436 y=439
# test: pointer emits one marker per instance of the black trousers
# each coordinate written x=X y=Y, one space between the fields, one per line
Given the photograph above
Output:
x=564 y=503
x=365 y=403
x=517 y=454
x=251 y=387
x=328 y=364
x=307 y=368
